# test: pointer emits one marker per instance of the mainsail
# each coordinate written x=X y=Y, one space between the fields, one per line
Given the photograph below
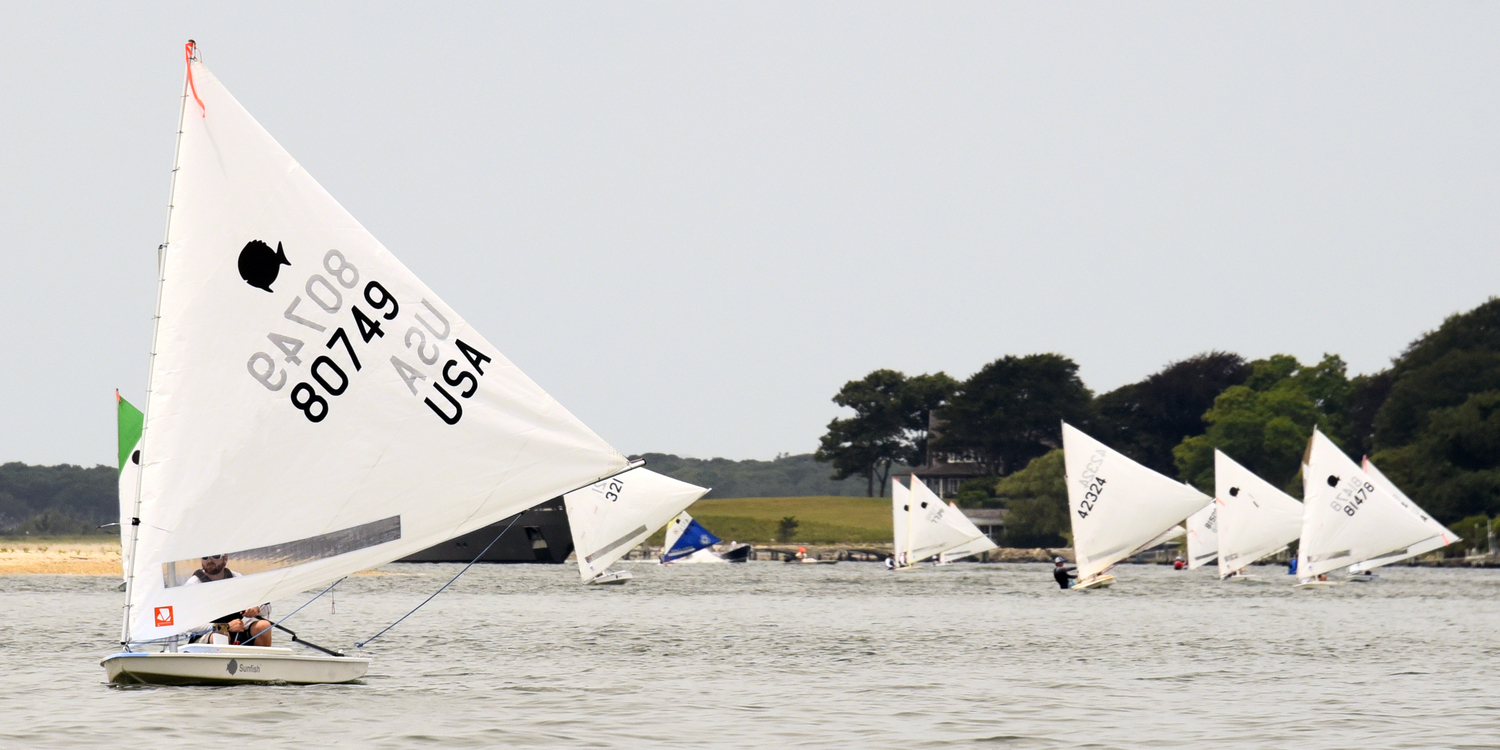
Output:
x=1346 y=517
x=684 y=537
x=314 y=409
x=1255 y=518
x=1115 y=504
x=1203 y=536
x=611 y=517
x=900 y=519
x=1441 y=536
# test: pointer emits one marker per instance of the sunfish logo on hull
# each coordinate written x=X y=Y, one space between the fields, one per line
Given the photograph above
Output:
x=233 y=666
x=260 y=265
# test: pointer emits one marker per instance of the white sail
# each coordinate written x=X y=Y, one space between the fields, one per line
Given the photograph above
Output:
x=1203 y=536
x=1255 y=518
x=675 y=529
x=1346 y=517
x=900 y=520
x=977 y=542
x=314 y=408
x=611 y=517
x=1115 y=504
x=932 y=530
x=1175 y=532
x=1441 y=536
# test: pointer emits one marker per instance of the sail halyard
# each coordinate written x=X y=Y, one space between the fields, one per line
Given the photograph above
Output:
x=191 y=50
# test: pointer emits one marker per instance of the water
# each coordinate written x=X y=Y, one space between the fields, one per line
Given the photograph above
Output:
x=774 y=655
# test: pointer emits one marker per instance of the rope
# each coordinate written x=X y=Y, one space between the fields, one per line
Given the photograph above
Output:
x=361 y=644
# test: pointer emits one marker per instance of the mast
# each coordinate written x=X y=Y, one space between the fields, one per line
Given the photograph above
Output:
x=191 y=54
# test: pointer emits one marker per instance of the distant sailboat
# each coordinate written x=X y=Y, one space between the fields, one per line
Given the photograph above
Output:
x=1203 y=536
x=688 y=542
x=611 y=517
x=1116 y=505
x=312 y=410
x=1347 y=516
x=1255 y=519
x=1441 y=535
x=926 y=527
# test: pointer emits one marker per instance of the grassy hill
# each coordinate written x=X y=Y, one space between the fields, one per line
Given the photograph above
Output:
x=821 y=519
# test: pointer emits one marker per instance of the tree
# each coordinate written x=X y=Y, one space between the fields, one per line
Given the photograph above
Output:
x=1453 y=469
x=1265 y=423
x=787 y=527
x=1011 y=410
x=889 y=426
x=1036 y=502
x=1146 y=420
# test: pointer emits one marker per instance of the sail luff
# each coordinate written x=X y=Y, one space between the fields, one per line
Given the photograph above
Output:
x=161 y=278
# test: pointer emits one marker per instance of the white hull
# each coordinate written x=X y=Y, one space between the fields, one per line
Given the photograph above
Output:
x=1316 y=584
x=611 y=578
x=1097 y=582
x=231 y=665
x=1361 y=577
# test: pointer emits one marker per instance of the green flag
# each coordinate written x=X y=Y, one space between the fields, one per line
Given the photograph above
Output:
x=130 y=419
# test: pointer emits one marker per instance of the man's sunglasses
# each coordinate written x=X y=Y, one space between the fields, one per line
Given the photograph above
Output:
x=213 y=557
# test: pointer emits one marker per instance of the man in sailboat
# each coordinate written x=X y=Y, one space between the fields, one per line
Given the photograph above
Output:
x=242 y=628
x=1063 y=573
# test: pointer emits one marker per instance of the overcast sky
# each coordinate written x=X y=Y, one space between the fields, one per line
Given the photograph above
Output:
x=692 y=222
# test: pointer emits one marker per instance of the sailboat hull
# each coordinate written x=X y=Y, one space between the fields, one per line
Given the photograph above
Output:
x=611 y=578
x=1316 y=584
x=231 y=665
x=1097 y=582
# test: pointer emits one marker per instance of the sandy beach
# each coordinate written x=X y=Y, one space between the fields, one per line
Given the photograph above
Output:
x=19 y=556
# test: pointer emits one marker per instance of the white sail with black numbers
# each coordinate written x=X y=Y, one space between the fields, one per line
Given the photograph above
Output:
x=315 y=409
x=611 y=517
x=1115 y=504
x=1203 y=536
x=1441 y=535
x=1346 y=517
x=1255 y=518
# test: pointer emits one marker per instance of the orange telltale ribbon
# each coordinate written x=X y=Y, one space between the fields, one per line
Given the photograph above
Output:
x=189 y=49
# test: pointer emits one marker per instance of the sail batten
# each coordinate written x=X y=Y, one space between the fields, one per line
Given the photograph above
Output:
x=305 y=383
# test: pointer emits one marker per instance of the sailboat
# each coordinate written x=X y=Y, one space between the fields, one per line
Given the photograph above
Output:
x=1116 y=505
x=1347 y=517
x=1256 y=520
x=926 y=527
x=611 y=517
x=1441 y=536
x=1203 y=536
x=312 y=409
x=978 y=544
x=688 y=542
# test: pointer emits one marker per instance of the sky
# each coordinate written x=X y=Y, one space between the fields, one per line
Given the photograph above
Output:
x=693 y=222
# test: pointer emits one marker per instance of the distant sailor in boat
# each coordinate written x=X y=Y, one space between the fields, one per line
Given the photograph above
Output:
x=242 y=628
x=1179 y=563
x=890 y=563
x=1063 y=573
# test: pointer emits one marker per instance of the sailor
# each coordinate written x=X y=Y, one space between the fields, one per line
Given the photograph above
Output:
x=1179 y=563
x=1063 y=573
x=244 y=628
x=890 y=562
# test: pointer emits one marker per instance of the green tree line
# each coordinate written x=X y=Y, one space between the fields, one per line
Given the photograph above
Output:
x=1431 y=422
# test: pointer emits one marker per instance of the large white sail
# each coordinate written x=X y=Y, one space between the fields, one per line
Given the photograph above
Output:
x=1346 y=517
x=1255 y=518
x=1115 y=504
x=611 y=517
x=314 y=408
x=1441 y=535
x=932 y=531
x=1203 y=536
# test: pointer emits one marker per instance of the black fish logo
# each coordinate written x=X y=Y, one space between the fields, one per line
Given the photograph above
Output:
x=1234 y=492
x=259 y=265
x=1333 y=481
x=233 y=666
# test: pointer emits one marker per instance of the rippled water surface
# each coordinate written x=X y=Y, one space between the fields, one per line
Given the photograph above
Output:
x=774 y=655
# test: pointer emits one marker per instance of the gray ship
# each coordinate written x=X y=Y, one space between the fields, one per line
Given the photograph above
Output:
x=540 y=535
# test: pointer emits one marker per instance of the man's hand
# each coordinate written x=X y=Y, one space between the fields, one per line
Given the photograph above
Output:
x=236 y=626
x=252 y=612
